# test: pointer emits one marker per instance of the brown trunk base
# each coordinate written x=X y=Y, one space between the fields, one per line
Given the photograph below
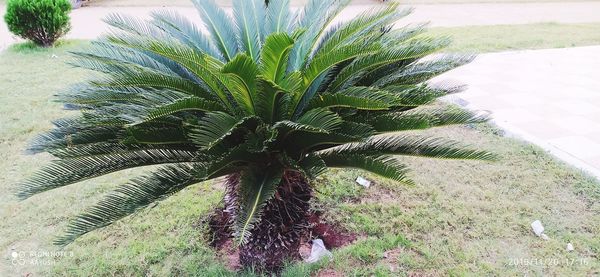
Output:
x=283 y=223
x=286 y=225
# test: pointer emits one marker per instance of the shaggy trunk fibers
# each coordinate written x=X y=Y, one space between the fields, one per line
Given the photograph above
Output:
x=276 y=238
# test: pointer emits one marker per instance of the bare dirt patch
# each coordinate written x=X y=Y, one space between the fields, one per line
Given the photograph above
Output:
x=220 y=238
x=333 y=235
x=390 y=259
x=329 y=273
x=230 y=255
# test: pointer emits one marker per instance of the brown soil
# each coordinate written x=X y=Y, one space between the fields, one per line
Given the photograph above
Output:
x=333 y=237
x=230 y=255
x=329 y=273
x=219 y=230
x=390 y=258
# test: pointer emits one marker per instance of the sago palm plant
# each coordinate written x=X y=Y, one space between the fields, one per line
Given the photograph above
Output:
x=268 y=98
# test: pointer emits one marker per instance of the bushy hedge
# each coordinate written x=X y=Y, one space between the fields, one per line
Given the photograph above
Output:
x=41 y=21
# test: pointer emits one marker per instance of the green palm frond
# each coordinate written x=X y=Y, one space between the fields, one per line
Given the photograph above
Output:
x=278 y=17
x=232 y=160
x=65 y=137
x=321 y=64
x=132 y=25
x=392 y=55
x=373 y=94
x=424 y=119
x=384 y=166
x=324 y=62
x=216 y=127
x=220 y=26
x=116 y=64
x=313 y=166
x=149 y=79
x=239 y=77
x=139 y=57
x=421 y=71
x=106 y=52
x=272 y=104
x=145 y=113
x=132 y=197
x=182 y=29
x=404 y=33
x=257 y=186
x=322 y=119
x=250 y=16
x=68 y=171
x=158 y=133
x=94 y=96
x=202 y=66
x=418 y=48
x=314 y=18
x=358 y=27
x=419 y=95
x=286 y=128
x=306 y=142
x=410 y=145
x=92 y=149
x=339 y=100
x=275 y=55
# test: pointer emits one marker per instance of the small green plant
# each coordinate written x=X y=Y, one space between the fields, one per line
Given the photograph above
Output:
x=41 y=21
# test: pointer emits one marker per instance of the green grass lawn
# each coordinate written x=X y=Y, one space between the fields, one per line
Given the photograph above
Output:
x=481 y=39
x=462 y=218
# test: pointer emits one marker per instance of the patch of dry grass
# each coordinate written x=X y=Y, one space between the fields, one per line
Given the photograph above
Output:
x=495 y=38
x=473 y=217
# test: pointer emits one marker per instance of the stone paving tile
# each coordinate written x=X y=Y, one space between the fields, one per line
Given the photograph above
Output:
x=595 y=162
x=543 y=129
x=578 y=146
x=578 y=107
x=549 y=97
x=515 y=115
x=520 y=99
x=594 y=136
x=576 y=124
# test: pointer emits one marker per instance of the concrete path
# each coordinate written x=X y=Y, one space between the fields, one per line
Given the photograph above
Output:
x=549 y=97
x=87 y=22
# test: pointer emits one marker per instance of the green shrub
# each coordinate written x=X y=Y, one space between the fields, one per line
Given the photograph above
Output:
x=41 y=21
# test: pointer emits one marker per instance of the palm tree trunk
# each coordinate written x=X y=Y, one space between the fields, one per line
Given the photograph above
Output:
x=276 y=238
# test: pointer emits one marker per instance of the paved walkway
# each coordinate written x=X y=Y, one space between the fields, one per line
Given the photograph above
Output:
x=87 y=22
x=549 y=97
